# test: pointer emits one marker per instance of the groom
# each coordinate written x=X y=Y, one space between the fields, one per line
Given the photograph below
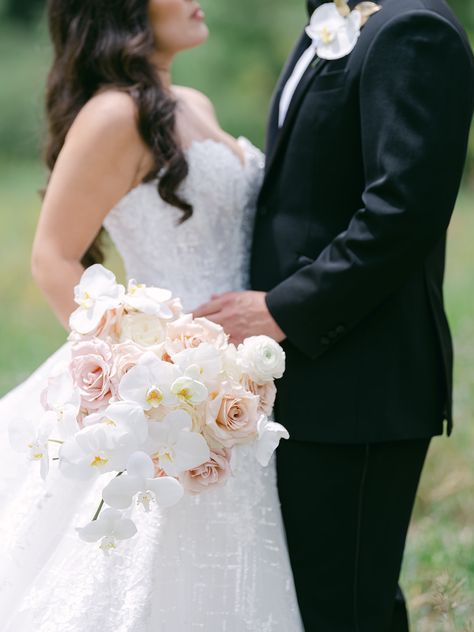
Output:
x=364 y=160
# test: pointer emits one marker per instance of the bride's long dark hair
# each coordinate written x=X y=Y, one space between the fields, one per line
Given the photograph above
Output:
x=99 y=44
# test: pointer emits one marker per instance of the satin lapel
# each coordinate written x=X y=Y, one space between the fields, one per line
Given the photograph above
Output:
x=272 y=128
x=295 y=105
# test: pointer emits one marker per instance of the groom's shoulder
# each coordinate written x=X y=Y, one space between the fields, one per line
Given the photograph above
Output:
x=409 y=19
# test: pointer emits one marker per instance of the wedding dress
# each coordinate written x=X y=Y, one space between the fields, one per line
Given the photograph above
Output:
x=216 y=562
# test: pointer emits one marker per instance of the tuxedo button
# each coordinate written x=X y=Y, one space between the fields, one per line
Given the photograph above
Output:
x=340 y=329
x=325 y=341
x=333 y=334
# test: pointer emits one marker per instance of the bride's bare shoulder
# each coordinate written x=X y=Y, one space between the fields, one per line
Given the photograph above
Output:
x=108 y=111
x=195 y=97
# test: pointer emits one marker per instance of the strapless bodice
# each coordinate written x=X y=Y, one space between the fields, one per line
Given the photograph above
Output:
x=209 y=253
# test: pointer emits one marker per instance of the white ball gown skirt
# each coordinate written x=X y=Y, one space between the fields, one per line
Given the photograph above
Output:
x=217 y=562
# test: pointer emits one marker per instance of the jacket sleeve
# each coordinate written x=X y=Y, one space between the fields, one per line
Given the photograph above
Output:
x=416 y=101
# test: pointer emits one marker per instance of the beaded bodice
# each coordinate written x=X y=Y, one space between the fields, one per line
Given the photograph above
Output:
x=208 y=253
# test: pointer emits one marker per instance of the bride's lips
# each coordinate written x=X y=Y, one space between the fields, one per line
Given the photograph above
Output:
x=198 y=14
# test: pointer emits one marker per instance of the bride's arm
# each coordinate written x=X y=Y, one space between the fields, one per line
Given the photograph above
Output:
x=103 y=157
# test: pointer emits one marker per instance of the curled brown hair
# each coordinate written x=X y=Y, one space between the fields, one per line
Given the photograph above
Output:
x=98 y=44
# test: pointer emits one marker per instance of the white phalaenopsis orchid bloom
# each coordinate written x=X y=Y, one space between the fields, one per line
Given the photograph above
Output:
x=269 y=435
x=262 y=359
x=109 y=527
x=97 y=292
x=105 y=443
x=175 y=445
x=31 y=438
x=149 y=300
x=333 y=35
x=149 y=383
x=63 y=401
x=204 y=363
x=188 y=388
x=140 y=479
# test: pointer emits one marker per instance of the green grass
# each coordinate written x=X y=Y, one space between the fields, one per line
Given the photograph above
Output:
x=438 y=573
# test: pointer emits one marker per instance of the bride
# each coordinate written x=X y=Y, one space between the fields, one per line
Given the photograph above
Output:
x=147 y=160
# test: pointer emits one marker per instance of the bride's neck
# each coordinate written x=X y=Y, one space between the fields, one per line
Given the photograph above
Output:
x=163 y=64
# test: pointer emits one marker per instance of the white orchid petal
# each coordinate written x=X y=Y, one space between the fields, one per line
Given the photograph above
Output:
x=168 y=490
x=140 y=465
x=270 y=434
x=178 y=420
x=124 y=529
x=191 y=451
x=93 y=531
x=120 y=491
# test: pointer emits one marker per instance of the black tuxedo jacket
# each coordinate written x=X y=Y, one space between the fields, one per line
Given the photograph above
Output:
x=351 y=227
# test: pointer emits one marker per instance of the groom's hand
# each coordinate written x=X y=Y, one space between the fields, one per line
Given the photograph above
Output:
x=241 y=314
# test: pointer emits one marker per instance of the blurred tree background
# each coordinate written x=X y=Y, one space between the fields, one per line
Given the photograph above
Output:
x=238 y=68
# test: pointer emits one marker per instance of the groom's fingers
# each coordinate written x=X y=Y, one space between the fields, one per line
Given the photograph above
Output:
x=214 y=306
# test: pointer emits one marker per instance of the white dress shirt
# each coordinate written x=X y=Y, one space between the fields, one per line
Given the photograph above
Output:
x=292 y=83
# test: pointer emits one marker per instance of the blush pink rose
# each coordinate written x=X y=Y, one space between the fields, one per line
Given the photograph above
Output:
x=126 y=355
x=211 y=474
x=266 y=394
x=189 y=333
x=236 y=419
x=91 y=369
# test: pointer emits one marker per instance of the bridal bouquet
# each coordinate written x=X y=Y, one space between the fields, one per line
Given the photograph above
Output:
x=151 y=398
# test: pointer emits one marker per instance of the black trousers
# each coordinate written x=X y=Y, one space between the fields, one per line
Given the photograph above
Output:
x=346 y=510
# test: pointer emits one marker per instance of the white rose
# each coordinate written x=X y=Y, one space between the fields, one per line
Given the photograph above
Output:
x=262 y=359
x=143 y=329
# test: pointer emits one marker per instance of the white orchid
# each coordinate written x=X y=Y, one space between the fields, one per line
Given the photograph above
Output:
x=188 y=388
x=63 y=401
x=175 y=445
x=334 y=35
x=109 y=527
x=149 y=300
x=140 y=479
x=149 y=383
x=262 y=359
x=97 y=292
x=31 y=437
x=105 y=443
x=269 y=435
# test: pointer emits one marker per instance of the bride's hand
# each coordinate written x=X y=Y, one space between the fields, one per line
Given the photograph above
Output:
x=241 y=314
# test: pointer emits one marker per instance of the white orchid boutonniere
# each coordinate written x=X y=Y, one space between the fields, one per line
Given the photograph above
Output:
x=335 y=29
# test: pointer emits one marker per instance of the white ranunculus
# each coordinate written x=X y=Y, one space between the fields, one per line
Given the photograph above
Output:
x=140 y=479
x=105 y=443
x=109 y=527
x=97 y=292
x=176 y=447
x=149 y=383
x=204 y=362
x=149 y=300
x=31 y=437
x=261 y=358
x=269 y=435
x=334 y=36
